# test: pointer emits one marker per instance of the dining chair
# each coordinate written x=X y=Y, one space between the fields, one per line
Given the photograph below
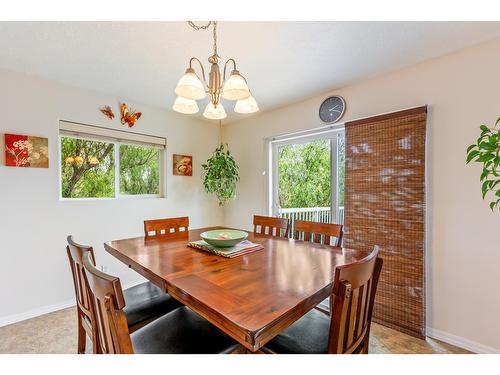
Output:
x=179 y=331
x=347 y=331
x=145 y=302
x=170 y=227
x=322 y=233
x=273 y=226
x=85 y=323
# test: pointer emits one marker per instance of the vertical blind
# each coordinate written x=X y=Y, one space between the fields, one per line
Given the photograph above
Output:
x=385 y=206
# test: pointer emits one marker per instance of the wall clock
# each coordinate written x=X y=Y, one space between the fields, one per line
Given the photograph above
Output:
x=332 y=109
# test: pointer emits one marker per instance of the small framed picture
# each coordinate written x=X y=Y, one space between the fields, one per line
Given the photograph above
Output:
x=26 y=151
x=183 y=165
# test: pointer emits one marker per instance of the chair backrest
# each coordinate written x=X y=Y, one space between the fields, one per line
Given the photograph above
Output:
x=107 y=307
x=75 y=254
x=322 y=233
x=166 y=227
x=273 y=226
x=352 y=299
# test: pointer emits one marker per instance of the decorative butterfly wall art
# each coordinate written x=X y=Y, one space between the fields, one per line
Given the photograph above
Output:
x=128 y=115
x=108 y=112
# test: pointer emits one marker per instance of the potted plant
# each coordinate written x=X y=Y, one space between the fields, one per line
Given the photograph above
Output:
x=487 y=152
x=221 y=174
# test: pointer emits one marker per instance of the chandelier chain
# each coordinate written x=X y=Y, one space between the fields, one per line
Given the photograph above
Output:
x=205 y=27
x=215 y=37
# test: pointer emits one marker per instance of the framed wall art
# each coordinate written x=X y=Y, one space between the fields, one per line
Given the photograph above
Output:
x=183 y=165
x=26 y=151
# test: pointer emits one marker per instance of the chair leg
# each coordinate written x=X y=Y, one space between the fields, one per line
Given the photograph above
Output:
x=82 y=335
x=95 y=345
x=366 y=344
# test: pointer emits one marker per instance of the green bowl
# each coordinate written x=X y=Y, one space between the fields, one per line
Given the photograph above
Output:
x=224 y=237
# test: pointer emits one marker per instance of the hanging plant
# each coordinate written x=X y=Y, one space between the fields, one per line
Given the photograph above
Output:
x=487 y=152
x=221 y=174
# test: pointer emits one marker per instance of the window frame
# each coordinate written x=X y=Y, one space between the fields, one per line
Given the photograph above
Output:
x=162 y=163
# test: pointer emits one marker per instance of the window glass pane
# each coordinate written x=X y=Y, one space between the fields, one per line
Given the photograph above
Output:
x=139 y=170
x=87 y=168
x=304 y=175
x=304 y=181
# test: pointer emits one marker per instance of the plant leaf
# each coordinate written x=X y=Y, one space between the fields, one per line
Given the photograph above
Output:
x=487 y=146
x=472 y=155
x=486 y=157
x=485 y=174
x=485 y=187
x=471 y=147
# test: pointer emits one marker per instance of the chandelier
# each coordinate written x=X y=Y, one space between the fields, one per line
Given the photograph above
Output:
x=190 y=88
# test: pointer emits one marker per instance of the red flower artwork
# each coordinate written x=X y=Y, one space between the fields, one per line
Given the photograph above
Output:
x=26 y=151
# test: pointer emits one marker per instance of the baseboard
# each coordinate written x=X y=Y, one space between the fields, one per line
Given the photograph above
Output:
x=460 y=342
x=33 y=313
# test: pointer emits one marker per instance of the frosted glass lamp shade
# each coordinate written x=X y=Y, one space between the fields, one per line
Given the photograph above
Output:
x=186 y=106
x=235 y=87
x=214 y=113
x=190 y=86
x=248 y=105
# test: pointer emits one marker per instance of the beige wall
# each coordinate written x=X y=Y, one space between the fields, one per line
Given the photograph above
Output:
x=463 y=252
x=35 y=276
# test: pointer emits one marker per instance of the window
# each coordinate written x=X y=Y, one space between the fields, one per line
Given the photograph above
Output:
x=102 y=166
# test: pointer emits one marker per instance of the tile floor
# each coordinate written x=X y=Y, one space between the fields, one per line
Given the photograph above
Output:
x=56 y=333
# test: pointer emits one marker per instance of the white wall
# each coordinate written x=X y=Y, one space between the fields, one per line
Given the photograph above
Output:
x=463 y=252
x=34 y=223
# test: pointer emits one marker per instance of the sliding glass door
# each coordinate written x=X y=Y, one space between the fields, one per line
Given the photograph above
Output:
x=307 y=177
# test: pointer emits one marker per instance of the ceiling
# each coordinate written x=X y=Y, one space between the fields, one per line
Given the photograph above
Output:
x=283 y=62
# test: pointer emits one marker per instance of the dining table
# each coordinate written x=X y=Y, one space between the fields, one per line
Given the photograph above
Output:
x=252 y=297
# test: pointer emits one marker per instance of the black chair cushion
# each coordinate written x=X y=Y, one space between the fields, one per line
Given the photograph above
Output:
x=308 y=335
x=146 y=301
x=181 y=332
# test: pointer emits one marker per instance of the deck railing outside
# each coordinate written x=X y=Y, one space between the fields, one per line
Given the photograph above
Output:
x=318 y=214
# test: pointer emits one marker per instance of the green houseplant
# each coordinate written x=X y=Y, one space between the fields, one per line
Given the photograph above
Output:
x=487 y=152
x=221 y=174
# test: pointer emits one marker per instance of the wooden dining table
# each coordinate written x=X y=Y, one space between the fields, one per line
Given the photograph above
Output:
x=252 y=297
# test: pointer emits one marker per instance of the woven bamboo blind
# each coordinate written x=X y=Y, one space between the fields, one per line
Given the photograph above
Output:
x=385 y=206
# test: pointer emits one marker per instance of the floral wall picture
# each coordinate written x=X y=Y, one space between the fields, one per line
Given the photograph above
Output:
x=26 y=151
x=183 y=165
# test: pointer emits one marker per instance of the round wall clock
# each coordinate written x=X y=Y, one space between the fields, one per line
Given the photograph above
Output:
x=332 y=109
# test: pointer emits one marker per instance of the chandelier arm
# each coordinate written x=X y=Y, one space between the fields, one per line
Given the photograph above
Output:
x=202 y=69
x=225 y=65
